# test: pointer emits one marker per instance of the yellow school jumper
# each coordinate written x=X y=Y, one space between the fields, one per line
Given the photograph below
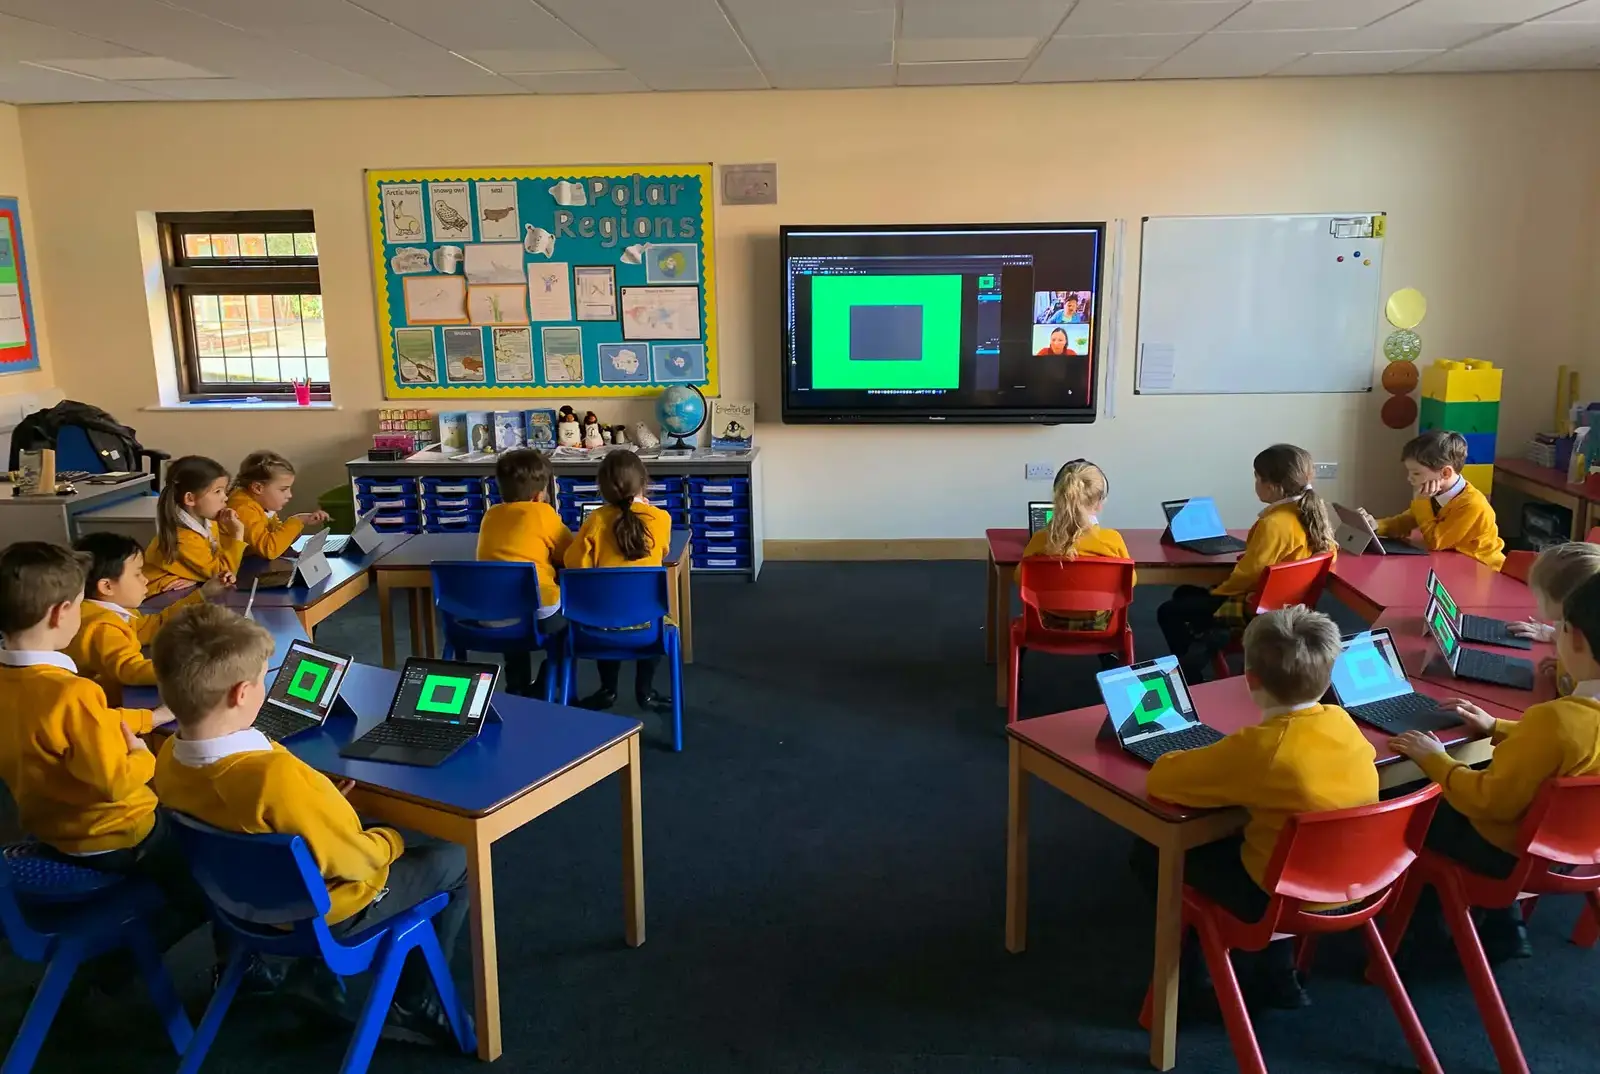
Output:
x=1464 y=523
x=1308 y=758
x=1553 y=738
x=1278 y=536
x=527 y=532
x=64 y=757
x=266 y=535
x=109 y=647
x=203 y=553
x=594 y=545
x=244 y=783
x=1097 y=542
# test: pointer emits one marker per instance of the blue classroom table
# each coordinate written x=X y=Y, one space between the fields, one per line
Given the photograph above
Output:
x=281 y=622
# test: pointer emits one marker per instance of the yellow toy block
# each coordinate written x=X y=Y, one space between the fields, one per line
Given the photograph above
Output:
x=1470 y=381
x=1479 y=475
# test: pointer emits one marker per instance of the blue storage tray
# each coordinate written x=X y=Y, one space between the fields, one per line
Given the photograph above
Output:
x=389 y=503
x=454 y=504
x=453 y=487
x=721 y=548
x=721 y=534
x=720 y=563
x=701 y=516
x=720 y=486
x=715 y=503
x=454 y=523
x=387 y=486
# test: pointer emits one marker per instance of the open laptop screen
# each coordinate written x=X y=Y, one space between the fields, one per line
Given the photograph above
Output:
x=1040 y=512
x=1368 y=669
x=1438 y=592
x=444 y=691
x=308 y=681
x=1442 y=626
x=1193 y=519
x=1147 y=699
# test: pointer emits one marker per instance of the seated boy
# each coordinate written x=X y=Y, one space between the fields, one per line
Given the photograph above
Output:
x=1304 y=756
x=111 y=638
x=524 y=528
x=1452 y=515
x=76 y=766
x=211 y=664
x=1477 y=822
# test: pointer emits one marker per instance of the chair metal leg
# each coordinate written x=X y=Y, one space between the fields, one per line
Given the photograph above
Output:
x=1491 y=1008
x=216 y=1011
x=42 y=1011
x=675 y=657
x=369 y=1023
x=1389 y=980
x=1587 y=930
x=1241 y=1033
x=439 y=970
x=162 y=992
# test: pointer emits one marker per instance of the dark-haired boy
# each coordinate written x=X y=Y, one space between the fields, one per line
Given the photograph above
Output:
x=524 y=528
x=1452 y=515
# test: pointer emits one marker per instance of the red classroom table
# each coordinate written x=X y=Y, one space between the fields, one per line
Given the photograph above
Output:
x=1369 y=584
x=1426 y=668
x=1065 y=752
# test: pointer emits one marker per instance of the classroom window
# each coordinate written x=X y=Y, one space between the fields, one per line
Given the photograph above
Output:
x=246 y=302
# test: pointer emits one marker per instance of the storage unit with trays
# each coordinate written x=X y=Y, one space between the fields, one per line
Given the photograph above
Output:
x=718 y=497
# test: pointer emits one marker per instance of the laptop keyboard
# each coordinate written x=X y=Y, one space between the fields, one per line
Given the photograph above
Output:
x=1190 y=738
x=278 y=725
x=1406 y=712
x=1487 y=631
x=1214 y=546
x=1492 y=667
x=417 y=735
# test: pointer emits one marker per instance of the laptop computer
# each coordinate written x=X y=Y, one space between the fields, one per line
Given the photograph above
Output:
x=307 y=568
x=1040 y=512
x=1370 y=684
x=1149 y=710
x=438 y=707
x=363 y=540
x=1474 y=628
x=1194 y=524
x=303 y=694
x=1475 y=664
x=1355 y=535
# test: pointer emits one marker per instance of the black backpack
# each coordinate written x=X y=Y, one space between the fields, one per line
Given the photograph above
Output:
x=115 y=443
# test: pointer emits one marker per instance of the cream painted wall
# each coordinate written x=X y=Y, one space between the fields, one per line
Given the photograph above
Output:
x=1489 y=182
x=14 y=183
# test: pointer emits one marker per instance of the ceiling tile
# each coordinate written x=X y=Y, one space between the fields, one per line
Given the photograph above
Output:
x=955 y=49
x=661 y=33
x=1148 y=16
x=1586 y=11
x=983 y=72
x=131 y=67
x=23 y=39
x=1090 y=69
x=1311 y=14
x=704 y=78
x=478 y=24
x=22 y=84
x=1389 y=35
x=581 y=82
x=806 y=55
x=840 y=78
x=981 y=18
x=1459 y=11
x=1355 y=63
x=209 y=89
x=533 y=61
x=1153 y=46
x=1479 y=60
x=1541 y=38
x=1242 y=55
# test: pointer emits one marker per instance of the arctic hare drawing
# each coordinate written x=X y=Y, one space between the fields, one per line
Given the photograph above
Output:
x=404 y=222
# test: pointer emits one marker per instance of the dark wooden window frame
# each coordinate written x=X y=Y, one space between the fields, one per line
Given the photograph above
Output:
x=195 y=276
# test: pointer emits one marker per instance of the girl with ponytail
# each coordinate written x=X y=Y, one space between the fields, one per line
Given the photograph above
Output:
x=198 y=536
x=1197 y=622
x=1075 y=530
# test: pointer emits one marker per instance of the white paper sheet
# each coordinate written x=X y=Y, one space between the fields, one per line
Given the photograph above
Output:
x=549 y=292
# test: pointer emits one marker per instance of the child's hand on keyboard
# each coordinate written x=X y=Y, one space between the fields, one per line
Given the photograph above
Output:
x=1416 y=745
x=345 y=786
x=1532 y=628
x=1470 y=714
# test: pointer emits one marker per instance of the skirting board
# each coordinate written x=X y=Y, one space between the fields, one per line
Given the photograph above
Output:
x=908 y=548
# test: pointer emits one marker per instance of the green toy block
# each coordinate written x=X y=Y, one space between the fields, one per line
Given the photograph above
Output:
x=1463 y=418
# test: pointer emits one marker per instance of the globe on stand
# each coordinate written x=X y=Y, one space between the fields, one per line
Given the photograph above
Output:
x=681 y=410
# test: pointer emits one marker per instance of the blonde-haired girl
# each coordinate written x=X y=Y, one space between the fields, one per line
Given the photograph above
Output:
x=1075 y=530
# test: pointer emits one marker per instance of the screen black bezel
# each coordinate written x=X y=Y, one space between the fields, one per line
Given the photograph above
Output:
x=471 y=728
x=953 y=416
x=313 y=649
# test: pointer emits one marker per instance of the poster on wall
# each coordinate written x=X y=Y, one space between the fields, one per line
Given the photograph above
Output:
x=544 y=282
x=19 y=345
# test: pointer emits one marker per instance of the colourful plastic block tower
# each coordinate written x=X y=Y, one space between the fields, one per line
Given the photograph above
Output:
x=1464 y=397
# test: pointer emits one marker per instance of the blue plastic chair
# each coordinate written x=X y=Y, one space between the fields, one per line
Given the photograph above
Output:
x=269 y=898
x=75 y=452
x=602 y=606
x=60 y=914
x=472 y=593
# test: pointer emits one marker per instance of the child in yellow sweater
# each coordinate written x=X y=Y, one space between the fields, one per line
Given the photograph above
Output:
x=1452 y=515
x=109 y=646
x=198 y=536
x=261 y=490
x=524 y=528
x=1477 y=822
x=1556 y=574
x=212 y=666
x=1303 y=756
x=1294 y=525
x=626 y=532
x=1075 y=530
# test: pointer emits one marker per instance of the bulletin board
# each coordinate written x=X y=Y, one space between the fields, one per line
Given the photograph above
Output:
x=545 y=282
x=19 y=345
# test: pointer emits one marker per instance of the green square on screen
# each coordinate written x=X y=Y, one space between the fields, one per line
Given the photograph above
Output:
x=938 y=366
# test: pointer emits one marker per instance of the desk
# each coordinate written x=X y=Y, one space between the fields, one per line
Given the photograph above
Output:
x=1426 y=668
x=512 y=773
x=282 y=623
x=1156 y=562
x=1551 y=486
x=54 y=519
x=314 y=604
x=1369 y=584
x=134 y=517
x=1064 y=751
x=407 y=568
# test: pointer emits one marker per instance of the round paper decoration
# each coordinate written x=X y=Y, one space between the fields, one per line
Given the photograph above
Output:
x=1402 y=345
x=1399 y=378
x=1399 y=411
x=1406 y=308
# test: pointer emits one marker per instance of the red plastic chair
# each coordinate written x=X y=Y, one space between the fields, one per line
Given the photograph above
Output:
x=1283 y=585
x=1518 y=563
x=1561 y=828
x=1593 y=536
x=1353 y=855
x=1065 y=587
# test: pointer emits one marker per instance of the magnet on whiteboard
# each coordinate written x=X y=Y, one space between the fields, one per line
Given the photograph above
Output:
x=1368 y=261
x=1341 y=257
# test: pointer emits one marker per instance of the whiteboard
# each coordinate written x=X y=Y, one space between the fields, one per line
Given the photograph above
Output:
x=1259 y=304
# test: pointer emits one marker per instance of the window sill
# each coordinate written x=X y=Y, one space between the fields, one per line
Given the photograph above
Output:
x=202 y=407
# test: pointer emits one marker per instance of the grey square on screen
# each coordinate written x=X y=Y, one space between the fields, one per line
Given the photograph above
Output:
x=885 y=333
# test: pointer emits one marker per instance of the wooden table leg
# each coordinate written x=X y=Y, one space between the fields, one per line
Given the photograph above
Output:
x=1169 y=944
x=386 y=619
x=675 y=603
x=1017 y=854
x=990 y=626
x=632 y=849
x=414 y=615
x=686 y=624
x=485 y=961
x=430 y=623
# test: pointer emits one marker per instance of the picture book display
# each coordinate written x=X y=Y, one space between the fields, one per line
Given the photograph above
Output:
x=19 y=347
x=543 y=282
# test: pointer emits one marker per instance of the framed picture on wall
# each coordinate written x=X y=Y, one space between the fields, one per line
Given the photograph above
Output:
x=19 y=345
